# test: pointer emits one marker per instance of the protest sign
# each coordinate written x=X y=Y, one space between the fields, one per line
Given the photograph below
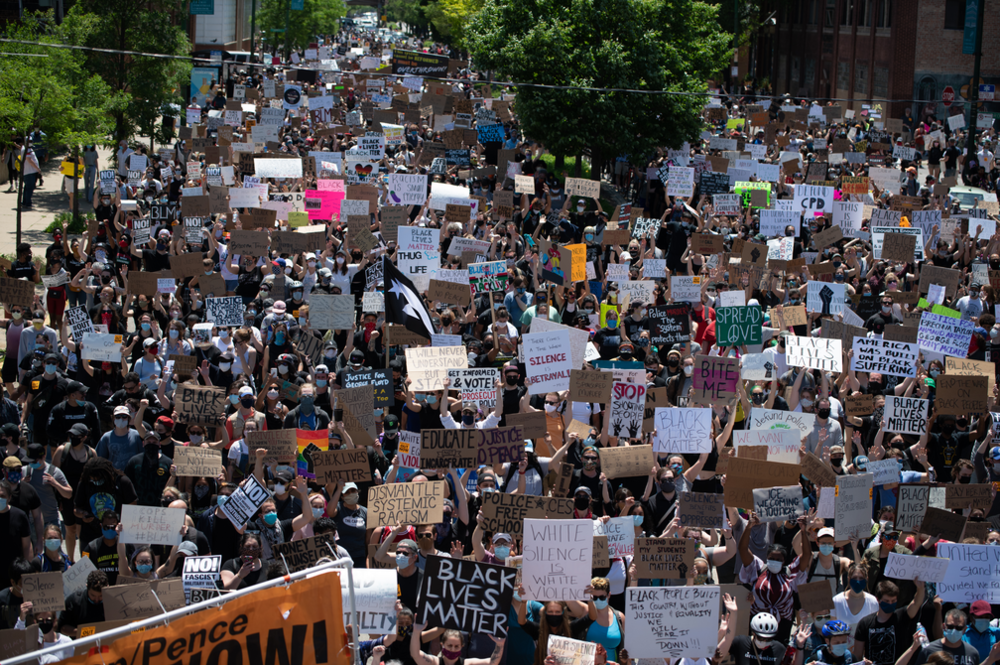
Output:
x=282 y=445
x=744 y=475
x=943 y=334
x=818 y=471
x=500 y=445
x=782 y=444
x=487 y=277
x=547 y=361
x=628 y=401
x=567 y=651
x=977 y=495
x=476 y=387
x=151 y=525
x=962 y=395
x=199 y=404
x=427 y=367
x=620 y=534
x=973 y=573
x=884 y=356
x=701 y=509
x=557 y=558
x=200 y=576
x=814 y=352
x=852 y=518
x=331 y=312
x=225 y=311
x=16 y=292
x=663 y=558
x=449 y=448
x=777 y=504
x=774 y=419
x=349 y=465
x=408 y=503
x=626 y=461
x=244 y=503
x=670 y=324
x=141 y=599
x=911 y=506
x=947 y=277
x=685 y=289
x=816 y=597
x=44 y=591
x=672 y=622
x=884 y=471
x=98 y=346
x=419 y=254
x=79 y=322
x=683 y=430
x=714 y=379
x=905 y=415
x=466 y=595
x=533 y=424
x=736 y=326
x=75 y=578
x=825 y=298
x=374 y=600
x=505 y=513
x=197 y=462
x=941 y=522
x=756 y=367
x=590 y=386
x=909 y=567
x=304 y=553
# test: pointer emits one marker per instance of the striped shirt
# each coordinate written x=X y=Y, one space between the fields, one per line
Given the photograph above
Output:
x=772 y=592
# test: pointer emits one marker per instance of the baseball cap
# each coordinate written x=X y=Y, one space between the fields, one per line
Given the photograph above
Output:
x=79 y=429
x=407 y=543
x=12 y=462
x=36 y=451
x=501 y=536
x=284 y=475
x=980 y=608
x=75 y=387
x=354 y=486
x=166 y=421
x=278 y=307
x=825 y=531
x=187 y=548
x=122 y=411
x=149 y=342
x=246 y=390
x=585 y=489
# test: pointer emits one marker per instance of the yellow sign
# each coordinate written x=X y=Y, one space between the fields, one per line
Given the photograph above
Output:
x=66 y=168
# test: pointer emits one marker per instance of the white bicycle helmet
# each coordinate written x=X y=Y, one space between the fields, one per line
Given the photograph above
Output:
x=764 y=624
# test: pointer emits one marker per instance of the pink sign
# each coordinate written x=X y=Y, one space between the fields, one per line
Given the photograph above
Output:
x=323 y=205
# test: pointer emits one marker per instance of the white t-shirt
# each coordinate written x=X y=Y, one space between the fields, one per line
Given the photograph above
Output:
x=583 y=410
x=843 y=613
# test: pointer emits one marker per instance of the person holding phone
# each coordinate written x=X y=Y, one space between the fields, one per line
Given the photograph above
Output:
x=247 y=569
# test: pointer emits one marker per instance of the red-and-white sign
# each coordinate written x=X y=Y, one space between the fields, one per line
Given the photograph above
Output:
x=948 y=96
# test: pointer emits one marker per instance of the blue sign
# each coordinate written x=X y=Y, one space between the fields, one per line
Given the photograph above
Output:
x=298 y=5
x=203 y=7
x=969 y=36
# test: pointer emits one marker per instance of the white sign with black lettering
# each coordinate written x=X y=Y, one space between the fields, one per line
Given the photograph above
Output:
x=245 y=501
x=226 y=311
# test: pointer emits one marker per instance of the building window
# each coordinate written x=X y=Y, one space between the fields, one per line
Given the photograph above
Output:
x=864 y=13
x=811 y=11
x=810 y=72
x=954 y=14
x=880 y=85
x=861 y=77
x=846 y=12
x=796 y=74
x=843 y=75
x=883 y=17
x=830 y=13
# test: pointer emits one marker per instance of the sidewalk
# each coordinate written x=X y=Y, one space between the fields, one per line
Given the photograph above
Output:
x=47 y=201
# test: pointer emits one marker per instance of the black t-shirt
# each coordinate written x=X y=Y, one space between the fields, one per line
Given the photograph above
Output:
x=10 y=608
x=13 y=527
x=248 y=281
x=944 y=450
x=256 y=577
x=20 y=270
x=25 y=497
x=633 y=327
x=886 y=642
x=80 y=610
x=104 y=557
x=153 y=261
x=950 y=157
x=745 y=652
x=45 y=394
x=409 y=587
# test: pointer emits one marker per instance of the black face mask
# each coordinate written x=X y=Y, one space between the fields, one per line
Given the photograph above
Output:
x=152 y=451
x=582 y=502
x=965 y=480
x=554 y=620
x=672 y=362
x=758 y=398
x=511 y=380
x=46 y=625
x=823 y=413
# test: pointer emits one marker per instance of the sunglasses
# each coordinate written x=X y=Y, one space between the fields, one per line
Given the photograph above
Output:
x=425 y=536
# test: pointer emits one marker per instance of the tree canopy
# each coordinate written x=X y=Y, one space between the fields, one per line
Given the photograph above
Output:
x=672 y=45
x=317 y=17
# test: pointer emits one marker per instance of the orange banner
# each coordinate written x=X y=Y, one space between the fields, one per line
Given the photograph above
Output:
x=299 y=624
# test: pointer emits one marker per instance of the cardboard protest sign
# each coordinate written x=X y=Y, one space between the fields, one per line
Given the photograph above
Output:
x=304 y=553
x=860 y=405
x=852 y=518
x=682 y=430
x=628 y=401
x=744 y=475
x=282 y=445
x=349 y=465
x=968 y=496
x=944 y=523
x=909 y=567
x=449 y=448
x=245 y=501
x=947 y=277
x=44 y=591
x=75 y=578
x=505 y=513
x=672 y=622
x=626 y=461
x=663 y=558
x=533 y=424
x=466 y=595
x=449 y=292
x=816 y=597
x=736 y=326
x=714 y=379
x=567 y=651
x=814 y=352
x=884 y=356
x=331 y=312
x=409 y=503
x=151 y=525
x=962 y=395
x=911 y=506
x=557 y=558
x=782 y=445
x=701 y=509
x=199 y=404
x=968 y=367
x=590 y=386
x=777 y=504
x=144 y=599
x=905 y=415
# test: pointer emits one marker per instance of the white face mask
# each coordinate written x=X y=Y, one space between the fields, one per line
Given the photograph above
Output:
x=225 y=366
x=311 y=264
x=551 y=408
x=688 y=370
x=340 y=260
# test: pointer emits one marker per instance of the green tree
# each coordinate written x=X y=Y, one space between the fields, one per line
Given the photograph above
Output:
x=451 y=19
x=317 y=17
x=410 y=12
x=661 y=45
x=150 y=82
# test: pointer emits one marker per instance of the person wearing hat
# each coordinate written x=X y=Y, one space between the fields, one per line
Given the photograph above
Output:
x=408 y=576
x=29 y=336
x=149 y=471
x=287 y=505
x=163 y=429
x=876 y=556
x=122 y=442
x=44 y=391
x=278 y=315
x=971 y=305
x=75 y=409
x=24 y=496
x=245 y=412
x=980 y=633
x=10 y=436
x=148 y=366
x=355 y=364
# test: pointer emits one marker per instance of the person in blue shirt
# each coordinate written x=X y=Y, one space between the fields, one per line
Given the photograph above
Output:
x=979 y=633
x=836 y=635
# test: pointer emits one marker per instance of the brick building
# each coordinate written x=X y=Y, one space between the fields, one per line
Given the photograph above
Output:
x=873 y=50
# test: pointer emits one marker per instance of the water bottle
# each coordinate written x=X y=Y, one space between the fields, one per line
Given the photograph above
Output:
x=922 y=635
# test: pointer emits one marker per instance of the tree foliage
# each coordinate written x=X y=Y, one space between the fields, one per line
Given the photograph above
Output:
x=451 y=19
x=51 y=89
x=672 y=45
x=149 y=82
x=317 y=17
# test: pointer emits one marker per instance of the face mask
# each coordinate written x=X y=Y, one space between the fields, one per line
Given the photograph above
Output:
x=279 y=338
x=46 y=626
x=953 y=634
x=247 y=402
x=888 y=608
x=823 y=413
x=501 y=551
x=450 y=655
x=225 y=366
x=551 y=408
x=51 y=369
x=330 y=353
x=762 y=643
x=402 y=560
x=146 y=326
x=826 y=550
x=252 y=312
x=110 y=534
x=52 y=544
x=982 y=625
x=582 y=502
x=600 y=603
x=612 y=323
x=318 y=512
x=306 y=403
x=351 y=499
x=279 y=488
x=144 y=568
x=468 y=419
x=233 y=399
x=775 y=566
x=667 y=486
x=637 y=519
x=35 y=466
x=554 y=619
x=688 y=370
x=838 y=650
x=858 y=585
x=432 y=399
x=272 y=394
x=174 y=333
x=221 y=500
x=271 y=518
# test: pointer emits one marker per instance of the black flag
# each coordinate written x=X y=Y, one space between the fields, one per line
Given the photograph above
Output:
x=403 y=304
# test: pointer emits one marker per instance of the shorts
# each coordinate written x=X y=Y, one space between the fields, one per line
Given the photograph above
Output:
x=68 y=516
x=231 y=285
x=55 y=304
x=621 y=168
x=950 y=173
x=8 y=373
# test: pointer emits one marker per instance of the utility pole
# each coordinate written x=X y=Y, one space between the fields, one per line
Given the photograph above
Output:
x=253 y=27
x=970 y=146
